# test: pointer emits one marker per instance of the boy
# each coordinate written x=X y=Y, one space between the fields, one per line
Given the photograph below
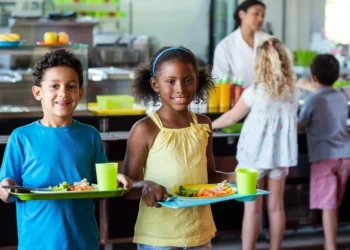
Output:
x=52 y=150
x=324 y=116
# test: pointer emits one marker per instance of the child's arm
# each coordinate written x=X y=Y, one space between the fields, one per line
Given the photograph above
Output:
x=305 y=114
x=232 y=116
x=126 y=181
x=140 y=140
x=213 y=175
x=303 y=83
x=10 y=171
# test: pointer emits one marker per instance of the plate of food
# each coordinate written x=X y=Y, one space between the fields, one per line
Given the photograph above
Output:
x=204 y=191
x=64 y=190
x=204 y=194
x=64 y=187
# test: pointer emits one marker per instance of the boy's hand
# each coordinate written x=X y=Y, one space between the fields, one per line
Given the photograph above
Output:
x=152 y=193
x=126 y=181
x=5 y=194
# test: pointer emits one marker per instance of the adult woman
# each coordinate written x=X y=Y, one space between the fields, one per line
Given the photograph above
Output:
x=234 y=55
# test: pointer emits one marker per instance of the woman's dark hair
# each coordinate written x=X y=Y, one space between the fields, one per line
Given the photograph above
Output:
x=325 y=67
x=245 y=5
x=141 y=87
x=57 y=58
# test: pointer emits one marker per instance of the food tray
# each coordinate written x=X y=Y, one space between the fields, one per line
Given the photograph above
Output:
x=63 y=195
x=179 y=202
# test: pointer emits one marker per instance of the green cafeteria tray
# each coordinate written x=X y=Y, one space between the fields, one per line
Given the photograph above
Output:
x=64 y=195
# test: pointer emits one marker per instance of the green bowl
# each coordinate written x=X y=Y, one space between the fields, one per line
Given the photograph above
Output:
x=235 y=128
x=304 y=57
x=341 y=84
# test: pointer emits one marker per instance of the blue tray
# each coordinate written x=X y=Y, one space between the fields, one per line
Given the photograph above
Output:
x=178 y=202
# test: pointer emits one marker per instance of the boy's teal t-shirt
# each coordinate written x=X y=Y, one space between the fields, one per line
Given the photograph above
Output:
x=40 y=156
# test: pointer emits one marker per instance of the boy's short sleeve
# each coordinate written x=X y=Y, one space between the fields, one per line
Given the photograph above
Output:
x=100 y=152
x=100 y=156
x=306 y=111
x=12 y=161
x=249 y=96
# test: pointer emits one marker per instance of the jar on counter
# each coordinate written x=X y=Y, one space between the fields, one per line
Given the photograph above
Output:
x=214 y=99
x=238 y=89
x=225 y=95
x=233 y=86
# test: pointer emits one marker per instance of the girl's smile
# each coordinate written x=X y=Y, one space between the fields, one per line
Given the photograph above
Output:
x=180 y=100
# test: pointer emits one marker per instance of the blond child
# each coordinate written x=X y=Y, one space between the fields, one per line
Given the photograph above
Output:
x=268 y=141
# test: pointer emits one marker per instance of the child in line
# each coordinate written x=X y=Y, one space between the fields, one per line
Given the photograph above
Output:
x=268 y=140
x=52 y=150
x=324 y=116
x=169 y=148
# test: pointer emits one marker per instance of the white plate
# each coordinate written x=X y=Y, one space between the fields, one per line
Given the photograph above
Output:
x=62 y=192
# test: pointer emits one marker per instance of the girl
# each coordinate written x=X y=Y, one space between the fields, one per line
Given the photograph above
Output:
x=234 y=55
x=268 y=139
x=169 y=148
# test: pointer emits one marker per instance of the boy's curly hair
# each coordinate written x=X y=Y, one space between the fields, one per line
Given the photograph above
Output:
x=141 y=87
x=274 y=69
x=57 y=58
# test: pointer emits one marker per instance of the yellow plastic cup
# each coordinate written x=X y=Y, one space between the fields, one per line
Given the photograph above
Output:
x=246 y=181
x=107 y=176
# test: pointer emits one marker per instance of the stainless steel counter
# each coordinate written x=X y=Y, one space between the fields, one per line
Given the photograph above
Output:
x=123 y=135
x=38 y=113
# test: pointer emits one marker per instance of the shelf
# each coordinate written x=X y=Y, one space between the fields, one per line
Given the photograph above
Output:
x=88 y=7
x=27 y=49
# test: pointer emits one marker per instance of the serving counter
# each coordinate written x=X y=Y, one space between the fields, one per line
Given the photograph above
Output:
x=117 y=216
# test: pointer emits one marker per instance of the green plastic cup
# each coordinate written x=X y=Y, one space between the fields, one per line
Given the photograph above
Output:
x=107 y=176
x=246 y=181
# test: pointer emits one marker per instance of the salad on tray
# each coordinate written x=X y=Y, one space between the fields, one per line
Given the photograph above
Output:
x=82 y=185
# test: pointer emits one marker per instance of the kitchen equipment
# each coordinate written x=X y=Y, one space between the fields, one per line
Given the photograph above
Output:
x=122 y=50
x=9 y=76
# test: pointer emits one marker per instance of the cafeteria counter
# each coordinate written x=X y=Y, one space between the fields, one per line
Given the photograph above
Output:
x=109 y=211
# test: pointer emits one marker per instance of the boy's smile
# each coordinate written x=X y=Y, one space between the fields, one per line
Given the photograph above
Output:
x=59 y=94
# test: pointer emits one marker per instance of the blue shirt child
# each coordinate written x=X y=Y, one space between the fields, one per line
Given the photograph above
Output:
x=40 y=156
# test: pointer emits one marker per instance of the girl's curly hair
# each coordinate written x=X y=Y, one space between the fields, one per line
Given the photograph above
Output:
x=141 y=87
x=57 y=58
x=273 y=69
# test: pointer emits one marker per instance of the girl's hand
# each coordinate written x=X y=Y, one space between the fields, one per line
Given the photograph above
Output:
x=5 y=193
x=126 y=181
x=152 y=193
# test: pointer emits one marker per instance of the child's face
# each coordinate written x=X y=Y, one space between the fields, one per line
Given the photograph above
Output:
x=176 y=84
x=59 y=93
